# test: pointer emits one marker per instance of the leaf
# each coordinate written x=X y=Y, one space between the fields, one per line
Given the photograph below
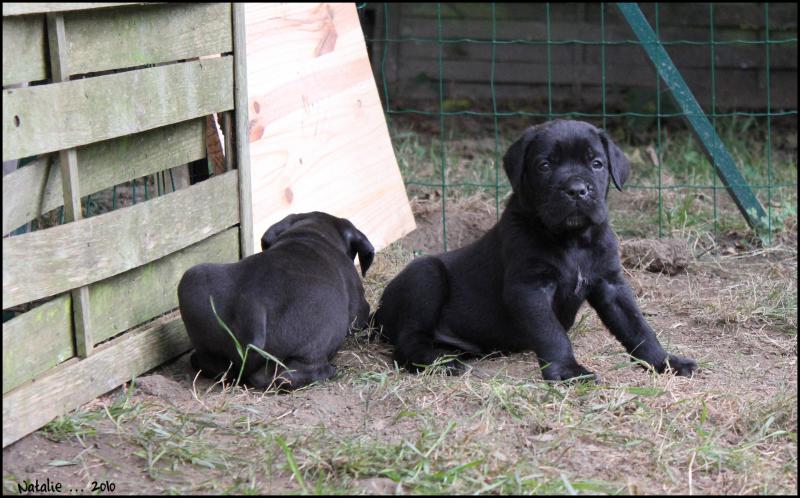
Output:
x=645 y=391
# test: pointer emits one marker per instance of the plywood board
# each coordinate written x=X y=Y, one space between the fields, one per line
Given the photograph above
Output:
x=317 y=133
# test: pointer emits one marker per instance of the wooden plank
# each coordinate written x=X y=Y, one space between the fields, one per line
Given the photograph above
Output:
x=318 y=136
x=23 y=8
x=36 y=341
x=459 y=72
x=450 y=11
x=506 y=53
x=36 y=189
x=673 y=15
x=565 y=55
x=138 y=295
x=47 y=262
x=241 y=118
x=519 y=29
x=781 y=16
x=738 y=92
x=59 y=69
x=727 y=56
x=227 y=132
x=82 y=327
x=698 y=57
x=23 y=190
x=59 y=116
x=116 y=38
x=518 y=72
x=75 y=382
x=23 y=49
x=59 y=63
x=418 y=95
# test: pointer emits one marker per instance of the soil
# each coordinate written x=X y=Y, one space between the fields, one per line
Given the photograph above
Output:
x=743 y=356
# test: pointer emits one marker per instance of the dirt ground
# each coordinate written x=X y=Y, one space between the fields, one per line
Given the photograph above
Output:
x=497 y=429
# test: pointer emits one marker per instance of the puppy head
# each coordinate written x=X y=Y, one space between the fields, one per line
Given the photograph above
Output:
x=561 y=172
x=340 y=230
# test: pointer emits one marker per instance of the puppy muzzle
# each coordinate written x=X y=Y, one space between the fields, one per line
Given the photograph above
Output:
x=578 y=204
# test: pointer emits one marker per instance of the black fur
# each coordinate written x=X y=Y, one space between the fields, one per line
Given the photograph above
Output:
x=519 y=286
x=295 y=300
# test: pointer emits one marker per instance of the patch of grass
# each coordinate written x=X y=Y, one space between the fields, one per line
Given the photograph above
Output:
x=75 y=424
x=757 y=299
x=420 y=463
x=292 y=464
x=81 y=423
x=710 y=449
x=170 y=439
x=688 y=182
x=10 y=483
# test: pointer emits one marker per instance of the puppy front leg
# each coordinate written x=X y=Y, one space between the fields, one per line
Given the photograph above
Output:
x=531 y=309
x=615 y=304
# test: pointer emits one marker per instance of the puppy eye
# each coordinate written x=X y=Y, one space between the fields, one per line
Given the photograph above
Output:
x=544 y=166
x=597 y=164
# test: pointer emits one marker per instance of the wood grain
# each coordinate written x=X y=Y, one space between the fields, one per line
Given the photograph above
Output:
x=36 y=189
x=70 y=183
x=77 y=381
x=24 y=48
x=62 y=115
x=24 y=8
x=102 y=39
x=242 y=153
x=36 y=341
x=318 y=137
x=133 y=297
x=47 y=262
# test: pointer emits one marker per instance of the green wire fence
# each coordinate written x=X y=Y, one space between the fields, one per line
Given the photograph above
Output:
x=741 y=129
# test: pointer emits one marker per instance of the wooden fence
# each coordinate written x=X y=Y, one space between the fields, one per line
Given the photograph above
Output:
x=547 y=61
x=115 y=92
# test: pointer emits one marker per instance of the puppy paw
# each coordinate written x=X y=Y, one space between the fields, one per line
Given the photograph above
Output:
x=573 y=372
x=684 y=367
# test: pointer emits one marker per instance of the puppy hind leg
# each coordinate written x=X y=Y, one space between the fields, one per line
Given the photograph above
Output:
x=262 y=377
x=209 y=365
x=299 y=373
x=417 y=301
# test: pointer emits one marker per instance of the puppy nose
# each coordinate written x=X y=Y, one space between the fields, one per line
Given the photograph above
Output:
x=576 y=189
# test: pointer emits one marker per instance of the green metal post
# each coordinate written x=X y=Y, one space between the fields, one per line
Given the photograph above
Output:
x=712 y=145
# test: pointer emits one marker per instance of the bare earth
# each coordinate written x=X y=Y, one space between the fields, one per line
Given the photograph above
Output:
x=497 y=429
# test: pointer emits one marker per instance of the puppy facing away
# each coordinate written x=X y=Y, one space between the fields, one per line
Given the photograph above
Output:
x=519 y=286
x=296 y=300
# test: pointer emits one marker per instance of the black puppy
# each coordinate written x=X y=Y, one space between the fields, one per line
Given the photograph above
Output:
x=519 y=286
x=296 y=300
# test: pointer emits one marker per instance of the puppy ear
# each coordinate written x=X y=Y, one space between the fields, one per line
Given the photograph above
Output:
x=272 y=234
x=514 y=159
x=618 y=164
x=357 y=243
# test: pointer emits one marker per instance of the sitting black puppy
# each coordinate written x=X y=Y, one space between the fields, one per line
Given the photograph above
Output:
x=519 y=286
x=296 y=300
